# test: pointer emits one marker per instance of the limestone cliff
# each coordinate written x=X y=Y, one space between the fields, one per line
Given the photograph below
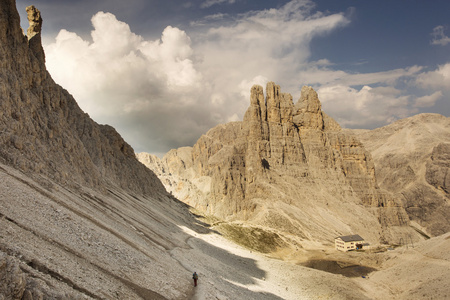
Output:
x=286 y=167
x=80 y=217
x=42 y=129
x=412 y=161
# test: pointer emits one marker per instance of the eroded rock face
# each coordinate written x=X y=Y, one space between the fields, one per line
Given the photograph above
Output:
x=438 y=168
x=34 y=33
x=15 y=284
x=43 y=130
x=412 y=162
x=13 y=281
x=80 y=217
x=288 y=167
x=35 y=20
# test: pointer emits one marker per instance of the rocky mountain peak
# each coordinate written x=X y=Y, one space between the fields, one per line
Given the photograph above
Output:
x=81 y=218
x=308 y=102
x=282 y=166
x=308 y=110
x=44 y=132
x=34 y=33
x=35 y=20
x=413 y=162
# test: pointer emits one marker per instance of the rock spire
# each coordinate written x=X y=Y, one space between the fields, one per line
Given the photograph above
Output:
x=34 y=33
x=35 y=20
x=286 y=166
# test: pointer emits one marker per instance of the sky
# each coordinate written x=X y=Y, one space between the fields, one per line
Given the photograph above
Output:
x=164 y=72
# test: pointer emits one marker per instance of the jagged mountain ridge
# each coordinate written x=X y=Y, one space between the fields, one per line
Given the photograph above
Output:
x=286 y=167
x=412 y=161
x=44 y=131
x=114 y=237
x=80 y=217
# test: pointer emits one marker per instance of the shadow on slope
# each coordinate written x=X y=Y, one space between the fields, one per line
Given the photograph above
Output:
x=337 y=267
x=80 y=242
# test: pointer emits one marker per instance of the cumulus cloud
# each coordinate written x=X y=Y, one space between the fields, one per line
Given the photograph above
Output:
x=439 y=78
x=364 y=108
x=372 y=100
x=272 y=44
x=439 y=37
x=136 y=85
x=362 y=100
x=164 y=93
x=246 y=85
x=428 y=100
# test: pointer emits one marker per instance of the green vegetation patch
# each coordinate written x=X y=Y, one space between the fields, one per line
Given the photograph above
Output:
x=253 y=238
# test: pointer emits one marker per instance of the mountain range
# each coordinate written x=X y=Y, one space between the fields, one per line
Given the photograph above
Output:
x=253 y=207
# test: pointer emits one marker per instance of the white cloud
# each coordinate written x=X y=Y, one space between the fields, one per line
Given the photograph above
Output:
x=234 y=118
x=272 y=43
x=429 y=100
x=209 y=18
x=246 y=85
x=362 y=100
x=164 y=93
x=364 y=108
x=111 y=37
x=319 y=73
x=210 y=3
x=173 y=55
x=439 y=78
x=439 y=37
x=133 y=84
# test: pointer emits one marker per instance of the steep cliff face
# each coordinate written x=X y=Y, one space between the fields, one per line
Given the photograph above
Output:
x=42 y=129
x=287 y=167
x=412 y=162
x=80 y=217
x=438 y=168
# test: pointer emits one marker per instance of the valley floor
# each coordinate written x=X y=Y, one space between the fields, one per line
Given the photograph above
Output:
x=228 y=271
x=92 y=247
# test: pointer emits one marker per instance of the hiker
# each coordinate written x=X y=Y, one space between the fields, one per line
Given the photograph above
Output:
x=195 y=277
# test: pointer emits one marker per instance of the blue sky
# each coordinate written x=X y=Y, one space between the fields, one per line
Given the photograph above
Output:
x=164 y=72
x=385 y=34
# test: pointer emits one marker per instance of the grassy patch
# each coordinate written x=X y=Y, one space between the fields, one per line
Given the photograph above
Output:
x=252 y=237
